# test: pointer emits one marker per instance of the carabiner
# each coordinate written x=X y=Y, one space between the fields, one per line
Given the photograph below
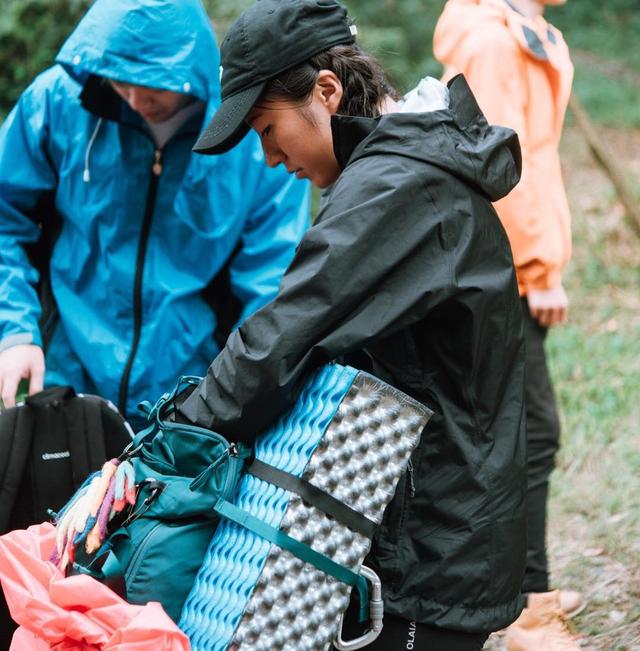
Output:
x=130 y=451
x=376 y=612
x=140 y=508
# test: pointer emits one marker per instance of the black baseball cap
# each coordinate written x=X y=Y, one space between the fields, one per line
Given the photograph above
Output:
x=268 y=38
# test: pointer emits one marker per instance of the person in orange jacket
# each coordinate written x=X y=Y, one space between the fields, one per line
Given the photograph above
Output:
x=519 y=70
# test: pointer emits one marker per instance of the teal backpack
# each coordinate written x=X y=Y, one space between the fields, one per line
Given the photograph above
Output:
x=161 y=492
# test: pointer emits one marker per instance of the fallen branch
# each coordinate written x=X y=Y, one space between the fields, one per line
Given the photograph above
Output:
x=608 y=163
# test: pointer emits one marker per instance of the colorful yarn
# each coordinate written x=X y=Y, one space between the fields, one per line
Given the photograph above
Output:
x=86 y=516
x=108 y=471
x=99 y=531
x=64 y=527
x=125 y=486
x=81 y=491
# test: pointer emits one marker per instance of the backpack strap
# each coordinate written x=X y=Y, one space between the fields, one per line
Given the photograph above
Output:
x=80 y=451
x=16 y=435
x=299 y=549
x=314 y=496
x=95 y=433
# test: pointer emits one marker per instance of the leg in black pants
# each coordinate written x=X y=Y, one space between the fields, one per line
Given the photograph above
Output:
x=400 y=635
x=543 y=434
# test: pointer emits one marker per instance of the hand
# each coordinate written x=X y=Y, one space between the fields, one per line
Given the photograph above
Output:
x=548 y=307
x=17 y=362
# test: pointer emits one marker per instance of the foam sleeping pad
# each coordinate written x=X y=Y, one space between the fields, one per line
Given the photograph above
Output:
x=349 y=434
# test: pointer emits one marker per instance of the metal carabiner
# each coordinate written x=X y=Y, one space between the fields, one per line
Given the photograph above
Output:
x=376 y=612
x=130 y=451
x=140 y=508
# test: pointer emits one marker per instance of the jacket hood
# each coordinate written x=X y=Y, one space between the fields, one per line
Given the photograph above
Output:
x=157 y=43
x=461 y=19
x=458 y=140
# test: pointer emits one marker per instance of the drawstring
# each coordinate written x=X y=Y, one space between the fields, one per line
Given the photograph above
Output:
x=86 y=177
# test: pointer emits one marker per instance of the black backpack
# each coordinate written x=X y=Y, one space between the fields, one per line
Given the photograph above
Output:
x=48 y=446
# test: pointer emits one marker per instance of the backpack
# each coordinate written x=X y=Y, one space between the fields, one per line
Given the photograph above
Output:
x=48 y=445
x=160 y=499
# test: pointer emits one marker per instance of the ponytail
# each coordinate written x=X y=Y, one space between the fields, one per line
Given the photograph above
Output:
x=364 y=82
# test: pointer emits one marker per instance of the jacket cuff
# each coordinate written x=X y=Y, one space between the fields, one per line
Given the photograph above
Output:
x=550 y=280
x=18 y=339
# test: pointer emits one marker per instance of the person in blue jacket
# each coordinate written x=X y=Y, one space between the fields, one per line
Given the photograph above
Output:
x=152 y=253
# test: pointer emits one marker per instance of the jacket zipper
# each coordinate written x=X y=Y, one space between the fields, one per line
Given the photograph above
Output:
x=48 y=327
x=156 y=171
x=232 y=478
x=412 y=486
x=138 y=555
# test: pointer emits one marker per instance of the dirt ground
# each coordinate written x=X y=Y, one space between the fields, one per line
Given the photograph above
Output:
x=594 y=530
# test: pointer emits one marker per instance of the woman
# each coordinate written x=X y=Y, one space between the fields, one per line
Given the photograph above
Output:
x=407 y=273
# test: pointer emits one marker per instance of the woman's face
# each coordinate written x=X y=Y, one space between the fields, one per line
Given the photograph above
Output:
x=299 y=135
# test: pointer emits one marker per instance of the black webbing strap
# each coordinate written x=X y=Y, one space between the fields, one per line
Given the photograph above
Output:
x=77 y=440
x=314 y=496
x=94 y=432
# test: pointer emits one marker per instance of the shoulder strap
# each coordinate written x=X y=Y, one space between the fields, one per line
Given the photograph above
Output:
x=94 y=433
x=117 y=432
x=83 y=421
x=16 y=436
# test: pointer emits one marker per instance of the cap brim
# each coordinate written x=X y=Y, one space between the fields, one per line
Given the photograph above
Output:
x=228 y=126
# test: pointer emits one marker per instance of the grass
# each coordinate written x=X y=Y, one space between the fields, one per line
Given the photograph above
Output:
x=609 y=92
x=594 y=529
x=595 y=362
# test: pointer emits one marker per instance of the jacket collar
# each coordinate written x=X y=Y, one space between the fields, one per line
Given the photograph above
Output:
x=534 y=34
x=348 y=132
x=462 y=103
x=99 y=98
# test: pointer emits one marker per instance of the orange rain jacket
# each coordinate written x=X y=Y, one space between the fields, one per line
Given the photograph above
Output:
x=520 y=72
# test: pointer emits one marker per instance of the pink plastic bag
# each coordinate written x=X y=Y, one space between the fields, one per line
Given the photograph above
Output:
x=76 y=613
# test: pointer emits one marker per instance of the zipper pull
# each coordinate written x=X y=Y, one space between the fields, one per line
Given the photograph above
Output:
x=203 y=477
x=412 y=486
x=157 y=163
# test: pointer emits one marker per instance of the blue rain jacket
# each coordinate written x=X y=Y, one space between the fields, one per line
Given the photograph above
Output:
x=136 y=248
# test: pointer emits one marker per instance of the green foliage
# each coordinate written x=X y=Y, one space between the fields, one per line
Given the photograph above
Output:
x=31 y=32
x=609 y=100
x=608 y=29
x=607 y=68
x=398 y=32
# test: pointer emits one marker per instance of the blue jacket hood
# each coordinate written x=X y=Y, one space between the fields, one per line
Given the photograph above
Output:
x=157 y=43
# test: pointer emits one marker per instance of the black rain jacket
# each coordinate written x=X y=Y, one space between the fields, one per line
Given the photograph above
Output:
x=407 y=273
